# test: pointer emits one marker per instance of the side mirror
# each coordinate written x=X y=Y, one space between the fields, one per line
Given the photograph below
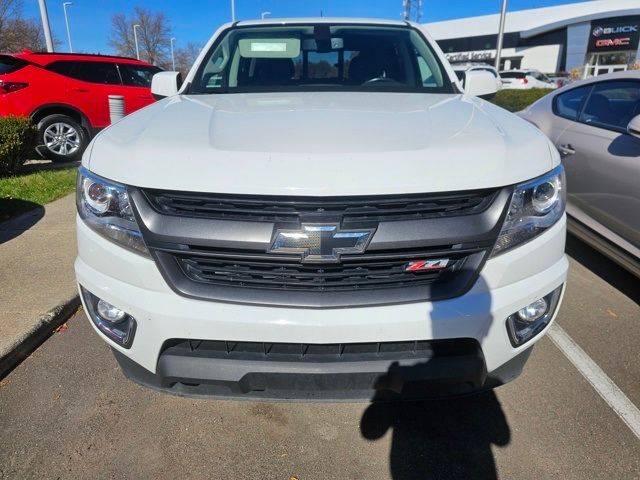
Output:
x=634 y=126
x=480 y=84
x=165 y=84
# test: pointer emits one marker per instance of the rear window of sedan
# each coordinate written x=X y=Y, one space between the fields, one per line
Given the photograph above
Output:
x=569 y=104
x=609 y=105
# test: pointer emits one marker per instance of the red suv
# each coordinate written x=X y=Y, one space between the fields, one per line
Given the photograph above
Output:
x=66 y=95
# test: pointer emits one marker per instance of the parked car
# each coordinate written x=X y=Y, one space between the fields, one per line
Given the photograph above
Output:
x=595 y=124
x=312 y=215
x=461 y=70
x=66 y=95
x=525 y=79
x=561 y=79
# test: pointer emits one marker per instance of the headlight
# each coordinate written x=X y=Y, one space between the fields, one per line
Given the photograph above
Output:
x=105 y=208
x=535 y=206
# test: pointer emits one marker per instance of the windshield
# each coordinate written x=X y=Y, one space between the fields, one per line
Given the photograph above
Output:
x=321 y=57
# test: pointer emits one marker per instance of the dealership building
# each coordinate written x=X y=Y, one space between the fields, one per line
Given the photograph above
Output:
x=601 y=35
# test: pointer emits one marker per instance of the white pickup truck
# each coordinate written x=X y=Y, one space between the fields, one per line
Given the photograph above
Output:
x=320 y=211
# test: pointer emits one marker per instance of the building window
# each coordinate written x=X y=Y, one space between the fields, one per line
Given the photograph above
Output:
x=602 y=63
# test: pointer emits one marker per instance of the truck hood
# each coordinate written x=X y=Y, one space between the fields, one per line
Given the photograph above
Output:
x=320 y=144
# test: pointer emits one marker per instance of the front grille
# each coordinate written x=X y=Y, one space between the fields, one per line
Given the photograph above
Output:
x=350 y=209
x=356 y=272
x=312 y=353
x=217 y=247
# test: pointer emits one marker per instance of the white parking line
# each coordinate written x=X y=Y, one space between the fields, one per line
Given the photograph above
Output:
x=599 y=380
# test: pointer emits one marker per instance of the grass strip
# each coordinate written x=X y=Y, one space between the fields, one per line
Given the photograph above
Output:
x=21 y=193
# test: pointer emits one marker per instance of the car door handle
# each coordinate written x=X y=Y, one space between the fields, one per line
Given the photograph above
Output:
x=80 y=89
x=146 y=97
x=566 y=150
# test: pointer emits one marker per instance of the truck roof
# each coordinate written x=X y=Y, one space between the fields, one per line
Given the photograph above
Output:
x=327 y=20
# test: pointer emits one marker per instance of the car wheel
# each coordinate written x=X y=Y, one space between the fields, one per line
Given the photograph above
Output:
x=61 y=138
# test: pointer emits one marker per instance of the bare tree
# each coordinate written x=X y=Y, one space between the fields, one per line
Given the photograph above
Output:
x=186 y=57
x=153 y=35
x=19 y=34
x=9 y=9
x=16 y=32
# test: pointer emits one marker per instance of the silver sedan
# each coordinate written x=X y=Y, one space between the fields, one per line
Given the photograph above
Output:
x=595 y=125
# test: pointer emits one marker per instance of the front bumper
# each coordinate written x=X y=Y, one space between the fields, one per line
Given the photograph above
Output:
x=506 y=284
x=430 y=376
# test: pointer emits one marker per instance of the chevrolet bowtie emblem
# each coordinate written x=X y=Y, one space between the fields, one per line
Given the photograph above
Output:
x=321 y=243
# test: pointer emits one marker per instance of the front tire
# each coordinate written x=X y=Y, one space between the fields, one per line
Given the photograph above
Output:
x=61 y=138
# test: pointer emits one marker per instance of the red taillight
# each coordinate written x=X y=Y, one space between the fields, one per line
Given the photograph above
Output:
x=8 y=87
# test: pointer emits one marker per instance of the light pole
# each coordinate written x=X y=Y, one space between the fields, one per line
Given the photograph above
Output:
x=264 y=14
x=173 y=58
x=503 y=15
x=45 y=25
x=135 y=38
x=408 y=6
x=66 y=21
x=233 y=10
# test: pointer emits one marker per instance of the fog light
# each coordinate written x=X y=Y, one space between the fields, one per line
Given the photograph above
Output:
x=529 y=321
x=110 y=313
x=530 y=313
x=116 y=324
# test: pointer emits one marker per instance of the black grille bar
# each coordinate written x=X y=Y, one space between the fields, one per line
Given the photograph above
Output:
x=350 y=283
x=350 y=209
x=374 y=271
x=319 y=353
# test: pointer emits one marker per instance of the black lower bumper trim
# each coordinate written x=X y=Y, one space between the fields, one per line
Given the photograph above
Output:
x=386 y=379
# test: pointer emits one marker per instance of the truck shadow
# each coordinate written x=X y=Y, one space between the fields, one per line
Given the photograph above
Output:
x=440 y=438
x=447 y=438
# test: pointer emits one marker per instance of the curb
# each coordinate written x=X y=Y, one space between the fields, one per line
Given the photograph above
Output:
x=36 y=336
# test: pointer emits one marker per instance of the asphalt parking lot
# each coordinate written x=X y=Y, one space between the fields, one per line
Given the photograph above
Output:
x=67 y=412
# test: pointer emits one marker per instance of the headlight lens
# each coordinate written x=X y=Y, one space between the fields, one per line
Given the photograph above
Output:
x=105 y=208
x=535 y=206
